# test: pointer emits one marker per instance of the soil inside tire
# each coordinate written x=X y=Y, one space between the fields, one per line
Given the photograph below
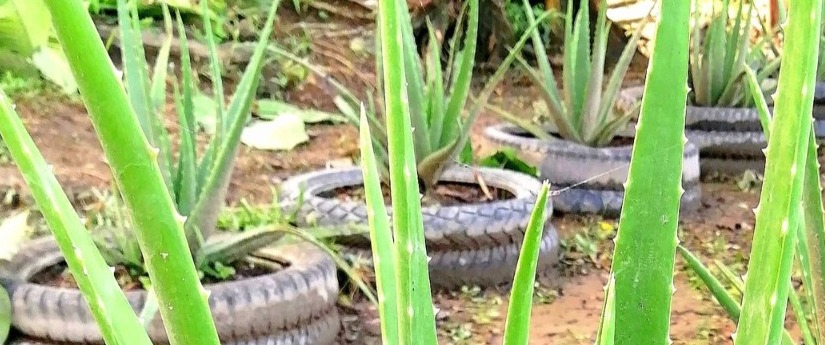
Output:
x=444 y=194
x=60 y=276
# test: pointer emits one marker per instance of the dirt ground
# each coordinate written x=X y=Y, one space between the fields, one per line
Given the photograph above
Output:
x=566 y=313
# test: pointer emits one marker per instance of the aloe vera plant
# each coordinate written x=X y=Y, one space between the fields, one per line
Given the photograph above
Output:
x=138 y=152
x=583 y=109
x=719 y=57
x=437 y=93
x=196 y=184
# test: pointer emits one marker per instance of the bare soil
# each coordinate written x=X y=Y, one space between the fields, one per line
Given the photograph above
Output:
x=566 y=311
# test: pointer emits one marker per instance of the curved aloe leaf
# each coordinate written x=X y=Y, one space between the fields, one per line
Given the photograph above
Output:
x=646 y=241
x=381 y=239
x=517 y=325
x=159 y=228
x=115 y=317
x=777 y=217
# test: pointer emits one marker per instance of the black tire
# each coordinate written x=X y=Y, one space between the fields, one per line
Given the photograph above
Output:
x=465 y=231
x=730 y=140
x=488 y=267
x=284 y=304
x=587 y=179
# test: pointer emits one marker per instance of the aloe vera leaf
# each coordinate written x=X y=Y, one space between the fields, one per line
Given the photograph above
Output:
x=761 y=104
x=611 y=92
x=381 y=239
x=577 y=88
x=716 y=44
x=813 y=247
x=607 y=321
x=158 y=227
x=232 y=247
x=646 y=241
x=217 y=80
x=416 y=324
x=525 y=124
x=185 y=181
x=549 y=85
x=733 y=49
x=134 y=68
x=801 y=319
x=592 y=91
x=697 y=81
x=158 y=96
x=714 y=285
x=767 y=283
x=414 y=86
x=517 y=325
x=557 y=112
x=721 y=295
x=461 y=86
x=208 y=204
x=435 y=90
x=110 y=308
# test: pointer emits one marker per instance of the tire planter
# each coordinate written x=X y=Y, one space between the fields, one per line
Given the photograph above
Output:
x=474 y=244
x=295 y=305
x=730 y=140
x=590 y=180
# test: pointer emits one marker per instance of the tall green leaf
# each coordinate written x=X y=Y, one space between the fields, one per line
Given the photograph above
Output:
x=158 y=226
x=766 y=287
x=646 y=241
x=110 y=308
x=416 y=324
x=517 y=325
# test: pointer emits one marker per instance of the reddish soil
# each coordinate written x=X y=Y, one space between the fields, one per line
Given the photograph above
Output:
x=444 y=194
x=566 y=312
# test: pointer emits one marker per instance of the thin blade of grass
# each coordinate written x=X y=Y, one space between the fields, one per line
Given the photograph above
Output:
x=767 y=283
x=111 y=310
x=517 y=325
x=381 y=239
x=646 y=241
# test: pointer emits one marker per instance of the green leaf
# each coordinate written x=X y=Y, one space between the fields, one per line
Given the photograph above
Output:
x=109 y=307
x=158 y=227
x=412 y=279
x=508 y=159
x=238 y=113
x=646 y=240
x=517 y=325
x=767 y=283
x=283 y=133
x=228 y=248
x=381 y=240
